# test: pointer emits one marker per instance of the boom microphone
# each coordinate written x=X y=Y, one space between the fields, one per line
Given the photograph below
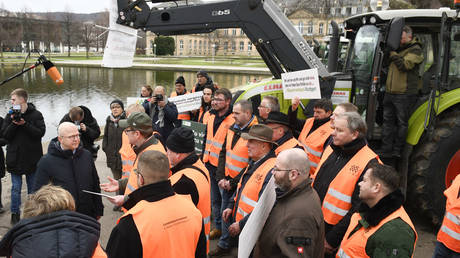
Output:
x=52 y=71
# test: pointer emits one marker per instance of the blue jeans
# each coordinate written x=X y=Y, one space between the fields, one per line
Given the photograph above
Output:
x=216 y=199
x=225 y=239
x=16 y=181
x=441 y=251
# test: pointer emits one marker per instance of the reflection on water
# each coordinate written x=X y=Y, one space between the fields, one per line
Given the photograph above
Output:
x=94 y=88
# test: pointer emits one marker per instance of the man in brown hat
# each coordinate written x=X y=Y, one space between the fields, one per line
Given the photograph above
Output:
x=251 y=185
x=282 y=134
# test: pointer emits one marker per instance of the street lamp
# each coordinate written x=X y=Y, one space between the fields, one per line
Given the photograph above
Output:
x=154 y=50
x=213 y=51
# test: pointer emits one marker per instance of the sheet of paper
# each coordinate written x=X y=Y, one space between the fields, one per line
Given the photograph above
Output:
x=101 y=194
x=251 y=231
x=303 y=84
x=187 y=102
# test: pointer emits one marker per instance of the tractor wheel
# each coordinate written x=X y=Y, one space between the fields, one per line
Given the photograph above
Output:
x=434 y=164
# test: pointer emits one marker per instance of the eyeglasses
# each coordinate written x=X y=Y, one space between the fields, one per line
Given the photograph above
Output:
x=217 y=100
x=72 y=137
x=128 y=130
x=137 y=172
x=262 y=107
x=276 y=169
x=115 y=106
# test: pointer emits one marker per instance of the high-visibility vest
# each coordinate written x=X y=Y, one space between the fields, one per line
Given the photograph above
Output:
x=201 y=179
x=170 y=227
x=355 y=245
x=449 y=233
x=214 y=142
x=289 y=144
x=314 y=143
x=237 y=158
x=99 y=252
x=132 y=180
x=127 y=156
x=250 y=193
x=181 y=115
x=203 y=116
x=337 y=201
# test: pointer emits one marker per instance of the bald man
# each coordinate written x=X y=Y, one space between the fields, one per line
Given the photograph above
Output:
x=154 y=207
x=71 y=166
x=295 y=226
x=163 y=113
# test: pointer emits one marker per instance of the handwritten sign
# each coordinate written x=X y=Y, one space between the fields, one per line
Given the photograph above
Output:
x=303 y=84
x=187 y=102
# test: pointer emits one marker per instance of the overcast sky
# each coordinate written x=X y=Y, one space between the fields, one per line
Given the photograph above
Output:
x=76 y=6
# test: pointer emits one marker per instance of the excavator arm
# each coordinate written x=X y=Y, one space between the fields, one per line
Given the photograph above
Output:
x=279 y=44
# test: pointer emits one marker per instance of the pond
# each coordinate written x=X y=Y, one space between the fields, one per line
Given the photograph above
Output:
x=94 y=88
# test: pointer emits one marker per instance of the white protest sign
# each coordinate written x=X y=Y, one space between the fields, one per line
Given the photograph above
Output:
x=187 y=102
x=135 y=100
x=253 y=227
x=121 y=42
x=303 y=84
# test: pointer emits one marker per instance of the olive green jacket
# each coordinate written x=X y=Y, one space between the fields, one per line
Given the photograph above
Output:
x=403 y=72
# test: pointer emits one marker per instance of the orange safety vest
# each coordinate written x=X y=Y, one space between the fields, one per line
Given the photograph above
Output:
x=236 y=159
x=203 y=116
x=314 y=142
x=250 y=193
x=337 y=201
x=214 y=142
x=204 y=190
x=127 y=156
x=355 y=245
x=170 y=227
x=131 y=186
x=289 y=144
x=449 y=233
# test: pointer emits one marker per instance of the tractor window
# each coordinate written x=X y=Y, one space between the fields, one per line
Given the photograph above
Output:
x=454 y=58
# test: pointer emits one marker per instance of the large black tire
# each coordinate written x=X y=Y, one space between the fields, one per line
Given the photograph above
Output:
x=428 y=166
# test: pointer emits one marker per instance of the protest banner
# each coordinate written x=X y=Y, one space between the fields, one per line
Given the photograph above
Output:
x=303 y=84
x=187 y=102
x=199 y=131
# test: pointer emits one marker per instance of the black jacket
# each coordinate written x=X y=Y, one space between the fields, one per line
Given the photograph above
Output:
x=328 y=171
x=111 y=143
x=24 y=147
x=125 y=240
x=58 y=234
x=74 y=172
x=170 y=118
x=3 y=142
x=92 y=129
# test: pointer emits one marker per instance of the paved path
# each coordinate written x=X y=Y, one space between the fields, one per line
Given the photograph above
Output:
x=424 y=249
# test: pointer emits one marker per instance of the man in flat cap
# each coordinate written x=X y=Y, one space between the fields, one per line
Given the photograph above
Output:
x=251 y=185
x=282 y=134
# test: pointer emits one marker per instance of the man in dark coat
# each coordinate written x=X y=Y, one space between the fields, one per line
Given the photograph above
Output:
x=111 y=143
x=87 y=126
x=295 y=226
x=203 y=80
x=23 y=128
x=69 y=165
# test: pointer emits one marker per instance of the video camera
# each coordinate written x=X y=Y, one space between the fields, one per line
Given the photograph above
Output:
x=158 y=98
x=15 y=110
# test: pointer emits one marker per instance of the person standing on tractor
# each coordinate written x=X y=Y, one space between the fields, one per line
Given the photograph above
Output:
x=403 y=82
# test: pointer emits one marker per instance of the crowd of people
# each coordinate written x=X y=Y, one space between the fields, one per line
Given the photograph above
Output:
x=333 y=195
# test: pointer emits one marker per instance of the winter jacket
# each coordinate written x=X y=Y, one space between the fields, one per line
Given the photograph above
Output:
x=111 y=143
x=24 y=147
x=328 y=171
x=92 y=130
x=74 y=172
x=296 y=220
x=403 y=72
x=3 y=142
x=59 y=234
x=395 y=236
x=168 y=123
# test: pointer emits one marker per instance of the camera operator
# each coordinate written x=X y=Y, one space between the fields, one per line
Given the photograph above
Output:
x=162 y=112
x=23 y=128
x=87 y=126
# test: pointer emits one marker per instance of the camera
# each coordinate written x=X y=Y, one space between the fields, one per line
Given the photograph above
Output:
x=15 y=110
x=158 y=97
x=77 y=124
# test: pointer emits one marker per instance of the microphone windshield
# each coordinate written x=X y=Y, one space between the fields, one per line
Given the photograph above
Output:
x=53 y=72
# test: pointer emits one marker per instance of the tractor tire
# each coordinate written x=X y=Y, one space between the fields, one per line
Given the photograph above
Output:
x=429 y=161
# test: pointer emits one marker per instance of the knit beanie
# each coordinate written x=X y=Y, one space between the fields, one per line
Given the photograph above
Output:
x=119 y=102
x=180 y=80
x=181 y=140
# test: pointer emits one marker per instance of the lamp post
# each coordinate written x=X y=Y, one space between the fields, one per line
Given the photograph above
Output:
x=154 y=50
x=213 y=51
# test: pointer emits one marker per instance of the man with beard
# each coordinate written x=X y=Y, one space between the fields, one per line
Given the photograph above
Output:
x=203 y=80
x=282 y=135
x=295 y=226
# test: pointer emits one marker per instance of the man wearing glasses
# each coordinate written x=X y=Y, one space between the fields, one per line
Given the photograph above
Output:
x=267 y=105
x=69 y=165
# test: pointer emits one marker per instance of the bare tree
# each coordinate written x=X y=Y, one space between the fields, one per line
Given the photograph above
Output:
x=68 y=24
x=88 y=36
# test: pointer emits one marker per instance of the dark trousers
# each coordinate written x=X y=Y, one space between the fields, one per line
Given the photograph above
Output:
x=441 y=251
x=216 y=198
x=396 y=112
